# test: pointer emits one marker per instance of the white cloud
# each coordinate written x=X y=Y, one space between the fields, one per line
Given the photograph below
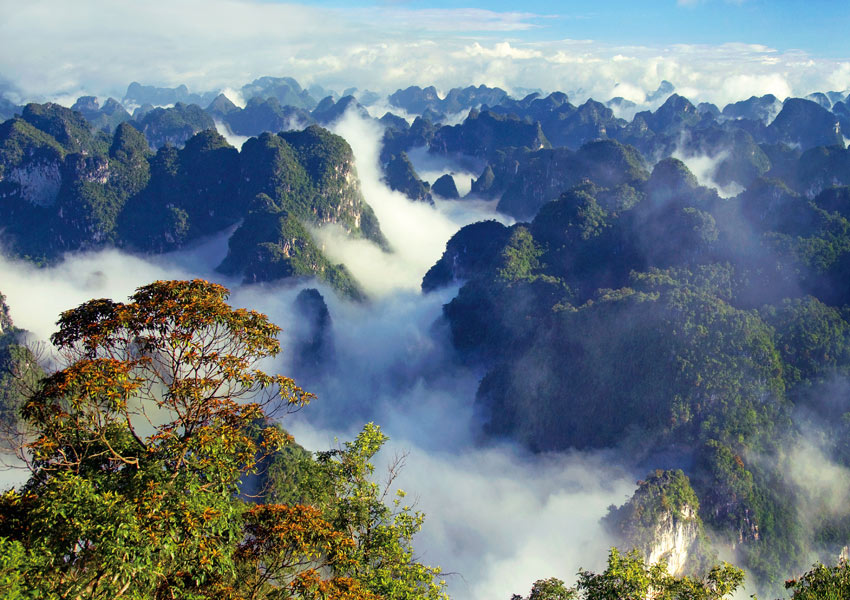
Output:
x=100 y=46
x=416 y=231
x=455 y=19
x=742 y=85
x=499 y=50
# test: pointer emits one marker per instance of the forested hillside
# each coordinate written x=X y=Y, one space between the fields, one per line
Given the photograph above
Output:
x=669 y=288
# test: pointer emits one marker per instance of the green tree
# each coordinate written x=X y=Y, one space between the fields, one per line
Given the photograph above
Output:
x=822 y=583
x=340 y=483
x=138 y=446
x=549 y=589
x=628 y=577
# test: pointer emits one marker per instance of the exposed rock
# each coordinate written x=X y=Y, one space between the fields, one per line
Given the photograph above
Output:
x=39 y=182
x=89 y=106
x=661 y=521
x=93 y=169
x=273 y=244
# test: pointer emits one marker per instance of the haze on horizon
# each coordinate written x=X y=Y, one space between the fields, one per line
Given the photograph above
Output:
x=711 y=50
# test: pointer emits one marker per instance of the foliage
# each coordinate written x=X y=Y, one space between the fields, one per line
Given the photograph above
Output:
x=662 y=492
x=520 y=258
x=400 y=175
x=272 y=243
x=67 y=127
x=548 y=589
x=173 y=125
x=139 y=444
x=628 y=577
x=139 y=449
x=20 y=374
x=822 y=583
x=485 y=133
x=19 y=139
x=181 y=201
x=811 y=337
x=721 y=363
x=340 y=482
x=263 y=114
x=690 y=320
x=309 y=174
x=82 y=190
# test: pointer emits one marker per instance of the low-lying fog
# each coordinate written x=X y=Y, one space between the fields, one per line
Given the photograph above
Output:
x=497 y=517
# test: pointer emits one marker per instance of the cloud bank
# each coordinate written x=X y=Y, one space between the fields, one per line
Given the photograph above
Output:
x=498 y=518
x=100 y=46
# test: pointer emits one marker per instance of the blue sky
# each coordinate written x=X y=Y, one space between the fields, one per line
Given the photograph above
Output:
x=711 y=50
x=821 y=27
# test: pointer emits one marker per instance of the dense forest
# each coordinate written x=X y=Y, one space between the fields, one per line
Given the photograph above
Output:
x=696 y=323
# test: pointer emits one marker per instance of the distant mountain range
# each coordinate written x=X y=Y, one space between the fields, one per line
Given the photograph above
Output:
x=630 y=305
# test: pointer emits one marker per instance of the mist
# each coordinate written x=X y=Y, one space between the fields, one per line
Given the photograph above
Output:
x=233 y=139
x=704 y=168
x=431 y=167
x=498 y=518
x=417 y=232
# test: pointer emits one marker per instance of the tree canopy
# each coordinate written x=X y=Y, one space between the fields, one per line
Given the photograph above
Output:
x=138 y=450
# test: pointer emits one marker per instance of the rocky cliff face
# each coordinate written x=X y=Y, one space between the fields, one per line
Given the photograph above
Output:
x=39 y=182
x=661 y=520
x=674 y=538
x=5 y=319
x=342 y=199
x=311 y=175
x=80 y=192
